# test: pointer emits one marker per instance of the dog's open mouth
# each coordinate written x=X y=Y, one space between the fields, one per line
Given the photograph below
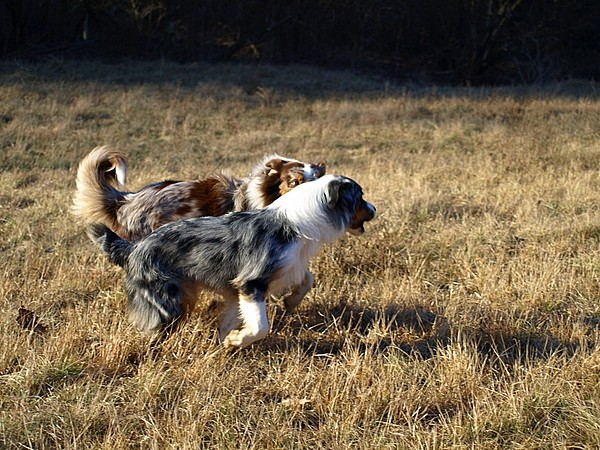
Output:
x=356 y=231
x=364 y=213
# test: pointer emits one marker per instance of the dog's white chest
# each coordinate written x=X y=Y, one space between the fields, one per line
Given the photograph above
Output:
x=294 y=271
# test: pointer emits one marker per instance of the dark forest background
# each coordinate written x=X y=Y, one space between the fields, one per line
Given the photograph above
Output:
x=450 y=41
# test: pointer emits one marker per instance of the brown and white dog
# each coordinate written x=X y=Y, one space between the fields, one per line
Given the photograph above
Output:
x=134 y=215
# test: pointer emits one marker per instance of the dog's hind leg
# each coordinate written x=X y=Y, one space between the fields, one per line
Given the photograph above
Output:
x=253 y=314
x=292 y=301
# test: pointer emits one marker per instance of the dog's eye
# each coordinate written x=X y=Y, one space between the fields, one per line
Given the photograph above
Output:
x=294 y=183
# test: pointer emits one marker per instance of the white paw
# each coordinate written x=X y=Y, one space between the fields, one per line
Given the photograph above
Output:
x=242 y=338
x=233 y=339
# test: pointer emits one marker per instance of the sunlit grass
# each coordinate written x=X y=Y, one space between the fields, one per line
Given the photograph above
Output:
x=466 y=317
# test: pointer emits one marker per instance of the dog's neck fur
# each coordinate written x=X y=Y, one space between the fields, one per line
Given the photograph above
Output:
x=305 y=207
x=252 y=193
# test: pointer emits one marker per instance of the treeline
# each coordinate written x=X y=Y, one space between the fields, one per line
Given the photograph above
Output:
x=457 y=41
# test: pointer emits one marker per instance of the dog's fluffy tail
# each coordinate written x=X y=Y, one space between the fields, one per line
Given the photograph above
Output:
x=116 y=248
x=98 y=176
x=151 y=310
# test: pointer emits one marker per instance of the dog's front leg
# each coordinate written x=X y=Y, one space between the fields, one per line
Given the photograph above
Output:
x=229 y=317
x=292 y=301
x=253 y=314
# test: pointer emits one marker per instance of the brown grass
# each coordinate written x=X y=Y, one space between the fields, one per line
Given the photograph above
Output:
x=466 y=317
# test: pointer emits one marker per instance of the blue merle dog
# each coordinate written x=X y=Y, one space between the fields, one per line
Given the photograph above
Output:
x=243 y=256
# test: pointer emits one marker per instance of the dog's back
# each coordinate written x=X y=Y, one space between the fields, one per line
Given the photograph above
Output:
x=216 y=250
x=161 y=203
x=224 y=254
x=134 y=215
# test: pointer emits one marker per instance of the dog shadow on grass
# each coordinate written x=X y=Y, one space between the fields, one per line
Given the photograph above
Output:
x=346 y=326
x=414 y=331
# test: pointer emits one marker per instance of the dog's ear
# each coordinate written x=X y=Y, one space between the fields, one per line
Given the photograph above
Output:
x=341 y=190
x=320 y=169
x=273 y=166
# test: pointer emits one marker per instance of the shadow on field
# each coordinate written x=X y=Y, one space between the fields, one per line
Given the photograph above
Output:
x=415 y=331
x=522 y=349
x=344 y=328
x=268 y=82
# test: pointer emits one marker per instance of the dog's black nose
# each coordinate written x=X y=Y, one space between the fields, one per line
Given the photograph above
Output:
x=372 y=210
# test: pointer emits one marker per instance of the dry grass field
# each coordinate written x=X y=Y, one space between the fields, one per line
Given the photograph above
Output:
x=468 y=315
